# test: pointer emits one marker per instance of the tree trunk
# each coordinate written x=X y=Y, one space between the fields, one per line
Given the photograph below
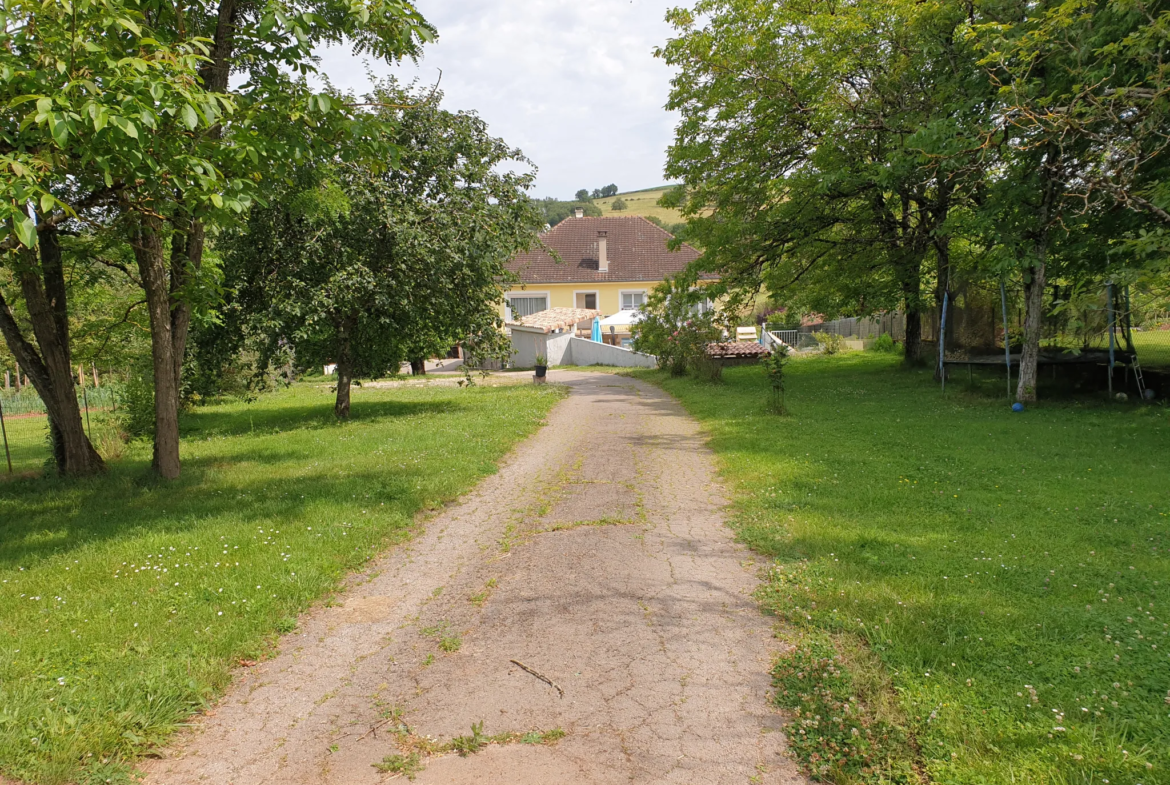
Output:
x=1033 y=327
x=1034 y=285
x=344 y=372
x=942 y=292
x=913 y=341
x=910 y=275
x=418 y=367
x=50 y=368
x=188 y=239
x=152 y=267
x=187 y=243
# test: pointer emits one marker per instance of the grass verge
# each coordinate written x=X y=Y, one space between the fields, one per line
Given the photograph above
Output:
x=125 y=603
x=976 y=596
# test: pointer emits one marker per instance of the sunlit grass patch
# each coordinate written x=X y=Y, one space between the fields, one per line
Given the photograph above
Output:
x=985 y=591
x=125 y=602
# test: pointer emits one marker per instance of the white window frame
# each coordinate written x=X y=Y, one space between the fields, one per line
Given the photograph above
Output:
x=526 y=293
x=595 y=292
x=622 y=299
x=702 y=307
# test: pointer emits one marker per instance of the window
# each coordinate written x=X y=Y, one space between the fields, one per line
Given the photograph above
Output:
x=591 y=301
x=702 y=307
x=526 y=306
x=633 y=301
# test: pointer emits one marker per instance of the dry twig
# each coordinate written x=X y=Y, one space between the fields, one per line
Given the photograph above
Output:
x=539 y=675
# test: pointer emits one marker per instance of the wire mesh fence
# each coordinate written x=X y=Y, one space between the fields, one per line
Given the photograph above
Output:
x=24 y=435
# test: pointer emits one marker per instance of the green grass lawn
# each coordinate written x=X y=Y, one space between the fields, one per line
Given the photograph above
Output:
x=1153 y=348
x=124 y=603
x=976 y=596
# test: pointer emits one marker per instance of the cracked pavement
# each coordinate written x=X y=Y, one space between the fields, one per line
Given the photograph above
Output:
x=598 y=557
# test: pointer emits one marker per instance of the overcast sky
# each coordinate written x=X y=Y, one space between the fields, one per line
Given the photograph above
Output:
x=573 y=83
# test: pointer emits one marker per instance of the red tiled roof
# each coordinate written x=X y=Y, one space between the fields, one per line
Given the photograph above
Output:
x=636 y=250
x=556 y=318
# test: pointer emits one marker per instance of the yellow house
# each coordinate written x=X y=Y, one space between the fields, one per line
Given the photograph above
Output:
x=609 y=264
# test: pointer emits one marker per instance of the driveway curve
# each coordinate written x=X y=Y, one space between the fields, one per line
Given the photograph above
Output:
x=589 y=587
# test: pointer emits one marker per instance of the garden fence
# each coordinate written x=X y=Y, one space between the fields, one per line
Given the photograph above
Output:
x=1077 y=320
x=25 y=424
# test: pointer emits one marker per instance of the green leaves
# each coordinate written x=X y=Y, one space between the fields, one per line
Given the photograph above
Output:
x=408 y=260
x=190 y=116
x=26 y=230
x=126 y=126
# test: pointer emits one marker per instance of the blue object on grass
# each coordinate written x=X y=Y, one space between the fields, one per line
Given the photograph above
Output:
x=1017 y=407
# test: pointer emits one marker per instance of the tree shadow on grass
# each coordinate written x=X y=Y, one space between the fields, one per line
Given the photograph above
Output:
x=45 y=516
x=41 y=522
x=258 y=419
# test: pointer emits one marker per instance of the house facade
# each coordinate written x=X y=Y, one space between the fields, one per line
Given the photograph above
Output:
x=609 y=264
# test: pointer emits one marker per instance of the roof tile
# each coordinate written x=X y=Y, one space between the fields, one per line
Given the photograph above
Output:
x=636 y=250
x=736 y=349
x=556 y=318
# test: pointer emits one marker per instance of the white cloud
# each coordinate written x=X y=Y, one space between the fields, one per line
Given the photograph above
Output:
x=573 y=84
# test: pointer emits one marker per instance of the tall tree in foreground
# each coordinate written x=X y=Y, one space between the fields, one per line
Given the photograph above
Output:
x=801 y=147
x=98 y=121
x=1082 y=128
x=367 y=267
x=125 y=105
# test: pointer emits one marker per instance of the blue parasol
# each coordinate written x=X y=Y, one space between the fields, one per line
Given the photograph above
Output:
x=596 y=336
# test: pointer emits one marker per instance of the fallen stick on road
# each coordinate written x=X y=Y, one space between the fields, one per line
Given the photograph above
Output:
x=540 y=676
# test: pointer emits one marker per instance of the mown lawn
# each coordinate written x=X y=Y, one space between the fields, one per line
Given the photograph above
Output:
x=124 y=603
x=977 y=596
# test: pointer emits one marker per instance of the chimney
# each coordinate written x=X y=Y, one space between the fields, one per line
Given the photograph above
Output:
x=602 y=259
x=578 y=212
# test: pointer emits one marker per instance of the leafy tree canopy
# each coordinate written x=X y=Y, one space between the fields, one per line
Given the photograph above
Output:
x=368 y=267
x=556 y=211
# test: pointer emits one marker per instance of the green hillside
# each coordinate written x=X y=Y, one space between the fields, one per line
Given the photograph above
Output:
x=643 y=202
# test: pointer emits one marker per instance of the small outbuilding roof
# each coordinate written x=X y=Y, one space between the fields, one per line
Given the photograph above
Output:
x=555 y=319
x=736 y=349
x=622 y=319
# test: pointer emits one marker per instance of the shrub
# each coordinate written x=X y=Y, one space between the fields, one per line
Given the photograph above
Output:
x=774 y=366
x=136 y=413
x=672 y=332
x=885 y=344
x=831 y=343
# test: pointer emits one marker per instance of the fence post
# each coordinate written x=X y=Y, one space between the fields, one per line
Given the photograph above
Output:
x=85 y=400
x=18 y=378
x=4 y=431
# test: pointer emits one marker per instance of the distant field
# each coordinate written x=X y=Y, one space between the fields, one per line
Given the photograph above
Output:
x=641 y=203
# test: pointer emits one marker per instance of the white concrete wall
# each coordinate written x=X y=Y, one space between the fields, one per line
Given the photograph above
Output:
x=586 y=352
x=525 y=346
x=556 y=349
x=567 y=349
